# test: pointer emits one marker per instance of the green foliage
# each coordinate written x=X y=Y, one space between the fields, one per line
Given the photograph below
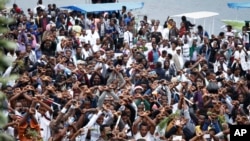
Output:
x=165 y=121
x=3 y=63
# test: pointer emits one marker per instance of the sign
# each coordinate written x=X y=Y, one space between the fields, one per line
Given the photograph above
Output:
x=239 y=132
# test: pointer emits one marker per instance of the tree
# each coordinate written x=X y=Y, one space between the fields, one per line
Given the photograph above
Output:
x=4 y=44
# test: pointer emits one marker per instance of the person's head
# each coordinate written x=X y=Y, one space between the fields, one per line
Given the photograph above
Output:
x=166 y=64
x=130 y=14
x=78 y=50
x=113 y=22
x=183 y=18
x=49 y=6
x=18 y=106
x=124 y=8
x=100 y=119
x=164 y=53
x=40 y=2
x=201 y=119
x=105 y=131
x=96 y=79
x=70 y=65
x=153 y=40
x=229 y=28
x=98 y=41
x=87 y=104
x=212 y=131
x=157 y=22
x=28 y=48
x=54 y=5
x=200 y=28
x=8 y=90
x=42 y=110
x=241 y=97
x=141 y=140
x=178 y=50
x=221 y=35
x=169 y=56
x=214 y=44
x=77 y=22
x=244 y=29
x=173 y=44
x=47 y=43
x=170 y=21
x=237 y=72
x=138 y=89
x=86 y=47
x=124 y=117
x=239 y=47
x=221 y=59
x=68 y=53
x=154 y=45
x=158 y=65
x=144 y=128
x=15 y=5
x=140 y=108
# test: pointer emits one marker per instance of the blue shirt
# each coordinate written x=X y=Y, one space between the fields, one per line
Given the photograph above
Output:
x=155 y=56
x=127 y=20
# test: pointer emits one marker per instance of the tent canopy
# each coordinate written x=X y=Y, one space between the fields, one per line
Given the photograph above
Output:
x=238 y=5
x=200 y=15
x=86 y=8
x=197 y=15
x=236 y=24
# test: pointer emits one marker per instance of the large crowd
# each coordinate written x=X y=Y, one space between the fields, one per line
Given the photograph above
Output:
x=107 y=77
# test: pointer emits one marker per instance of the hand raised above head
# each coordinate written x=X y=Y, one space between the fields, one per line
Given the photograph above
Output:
x=32 y=111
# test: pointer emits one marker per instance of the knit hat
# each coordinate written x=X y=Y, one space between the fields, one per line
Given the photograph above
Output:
x=138 y=87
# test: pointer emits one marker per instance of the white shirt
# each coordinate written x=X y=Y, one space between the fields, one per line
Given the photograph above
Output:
x=10 y=131
x=59 y=47
x=162 y=48
x=96 y=47
x=217 y=64
x=185 y=50
x=95 y=132
x=130 y=61
x=234 y=78
x=32 y=56
x=165 y=33
x=245 y=37
x=87 y=53
x=162 y=60
x=181 y=60
x=159 y=29
x=91 y=37
x=159 y=132
x=149 y=47
x=44 y=124
x=240 y=55
x=148 y=136
x=128 y=38
x=11 y=58
x=171 y=51
x=102 y=30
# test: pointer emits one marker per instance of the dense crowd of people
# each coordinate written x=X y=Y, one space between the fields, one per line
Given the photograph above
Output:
x=105 y=77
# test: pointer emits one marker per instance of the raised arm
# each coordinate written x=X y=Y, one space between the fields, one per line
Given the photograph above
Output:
x=135 y=125
x=101 y=99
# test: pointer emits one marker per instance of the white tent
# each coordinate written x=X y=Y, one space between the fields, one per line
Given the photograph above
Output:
x=199 y=15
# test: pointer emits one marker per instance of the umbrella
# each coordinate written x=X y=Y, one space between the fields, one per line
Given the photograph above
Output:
x=236 y=24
